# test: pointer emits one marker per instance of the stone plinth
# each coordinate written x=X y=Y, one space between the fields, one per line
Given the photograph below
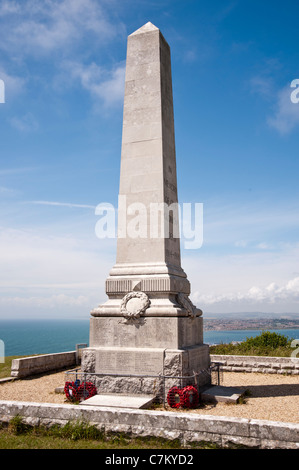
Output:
x=146 y=370
x=146 y=332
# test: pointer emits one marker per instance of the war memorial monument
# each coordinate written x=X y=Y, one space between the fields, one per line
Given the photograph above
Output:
x=148 y=326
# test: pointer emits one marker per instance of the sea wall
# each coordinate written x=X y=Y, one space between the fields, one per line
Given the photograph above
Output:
x=264 y=364
x=187 y=427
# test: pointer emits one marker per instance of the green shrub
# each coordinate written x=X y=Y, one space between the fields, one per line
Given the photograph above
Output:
x=265 y=344
x=267 y=340
x=17 y=426
x=76 y=431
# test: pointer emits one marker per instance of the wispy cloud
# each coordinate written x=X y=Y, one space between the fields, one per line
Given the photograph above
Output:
x=26 y=123
x=61 y=204
x=262 y=85
x=17 y=170
x=54 y=32
x=247 y=247
x=272 y=293
x=8 y=7
x=51 y=271
x=103 y=84
x=4 y=191
x=249 y=224
x=49 y=302
x=14 y=84
x=44 y=26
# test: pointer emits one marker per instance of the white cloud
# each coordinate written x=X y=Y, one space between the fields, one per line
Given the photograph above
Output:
x=254 y=280
x=270 y=294
x=286 y=113
x=51 y=302
x=9 y=6
x=56 y=31
x=246 y=247
x=46 y=271
x=12 y=83
x=103 y=84
x=42 y=26
x=112 y=89
x=264 y=246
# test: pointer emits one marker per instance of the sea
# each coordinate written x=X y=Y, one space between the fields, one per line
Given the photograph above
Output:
x=29 y=337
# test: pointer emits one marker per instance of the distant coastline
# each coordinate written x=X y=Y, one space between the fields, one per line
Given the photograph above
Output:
x=219 y=324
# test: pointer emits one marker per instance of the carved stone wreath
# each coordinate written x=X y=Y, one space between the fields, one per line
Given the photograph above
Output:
x=186 y=303
x=134 y=304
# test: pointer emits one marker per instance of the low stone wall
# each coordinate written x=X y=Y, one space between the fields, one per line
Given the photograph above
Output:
x=27 y=366
x=265 y=364
x=186 y=427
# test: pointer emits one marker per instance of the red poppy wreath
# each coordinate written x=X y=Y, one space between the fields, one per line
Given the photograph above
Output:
x=190 y=397
x=174 y=397
x=70 y=391
x=86 y=390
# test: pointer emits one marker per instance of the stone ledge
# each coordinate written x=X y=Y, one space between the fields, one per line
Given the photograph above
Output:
x=171 y=425
x=264 y=364
x=33 y=365
x=6 y=379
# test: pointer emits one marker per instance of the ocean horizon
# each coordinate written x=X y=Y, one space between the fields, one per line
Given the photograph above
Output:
x=46 y=336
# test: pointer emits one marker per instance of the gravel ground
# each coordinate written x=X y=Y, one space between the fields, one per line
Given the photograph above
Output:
x=272 y=397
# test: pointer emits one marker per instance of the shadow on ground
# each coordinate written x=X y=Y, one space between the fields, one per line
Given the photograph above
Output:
x=280 y=390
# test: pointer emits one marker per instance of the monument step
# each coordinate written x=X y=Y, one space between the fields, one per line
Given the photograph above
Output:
x=221 y=393
x=119 y=400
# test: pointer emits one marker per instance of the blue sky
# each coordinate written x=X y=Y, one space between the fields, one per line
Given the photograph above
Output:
x=237 y=138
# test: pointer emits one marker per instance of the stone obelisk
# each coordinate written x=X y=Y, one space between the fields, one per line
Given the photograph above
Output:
x=148 y=324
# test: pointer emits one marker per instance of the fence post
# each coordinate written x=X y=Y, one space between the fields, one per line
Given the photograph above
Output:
x=79 y=346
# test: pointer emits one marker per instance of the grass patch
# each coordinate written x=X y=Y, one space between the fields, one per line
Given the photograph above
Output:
x=265 y=344
x=5 y=367
x=81 y=435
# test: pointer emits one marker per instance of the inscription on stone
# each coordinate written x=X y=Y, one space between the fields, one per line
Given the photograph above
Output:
x=107 y=361
x=130 y=361
x=189 y=332
x=197 y=356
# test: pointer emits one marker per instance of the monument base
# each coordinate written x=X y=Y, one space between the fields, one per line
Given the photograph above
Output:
x=146 y=370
